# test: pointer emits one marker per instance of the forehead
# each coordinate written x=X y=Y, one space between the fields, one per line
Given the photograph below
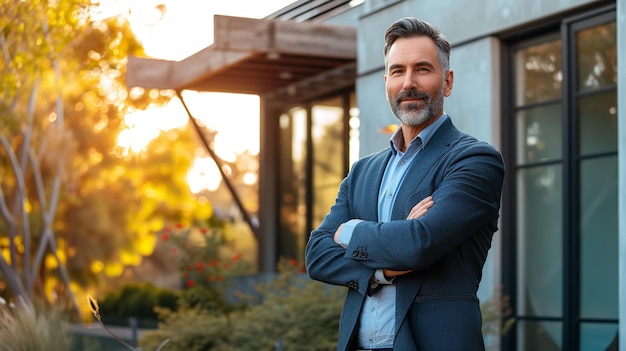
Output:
x=414 y=49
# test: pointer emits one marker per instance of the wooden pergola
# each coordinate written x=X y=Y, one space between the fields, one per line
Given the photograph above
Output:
x=284 y=62
x=257 y=56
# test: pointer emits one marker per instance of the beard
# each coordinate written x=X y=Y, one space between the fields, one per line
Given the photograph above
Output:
x=416 y=113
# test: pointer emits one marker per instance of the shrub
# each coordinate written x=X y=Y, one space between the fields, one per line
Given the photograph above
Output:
x=292 y=309
x=136 y=300
x=297 y=312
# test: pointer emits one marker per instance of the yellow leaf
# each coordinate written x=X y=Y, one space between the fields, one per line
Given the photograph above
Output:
x=113 y=269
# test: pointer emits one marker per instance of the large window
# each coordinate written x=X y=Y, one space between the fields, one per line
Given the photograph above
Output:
x=564 y=283
x=317 y=146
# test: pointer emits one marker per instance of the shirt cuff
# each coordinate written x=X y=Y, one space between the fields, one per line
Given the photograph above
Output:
x=346 y=232
x=379 y=278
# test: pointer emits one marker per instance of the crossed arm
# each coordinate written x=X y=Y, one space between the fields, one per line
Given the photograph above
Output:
x=416 y=212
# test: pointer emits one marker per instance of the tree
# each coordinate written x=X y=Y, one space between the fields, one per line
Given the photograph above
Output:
x=72 y=203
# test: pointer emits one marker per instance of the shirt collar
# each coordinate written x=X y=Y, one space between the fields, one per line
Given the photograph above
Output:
x=424 y=135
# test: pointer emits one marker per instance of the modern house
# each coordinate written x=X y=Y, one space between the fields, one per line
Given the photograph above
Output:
x=536 y=78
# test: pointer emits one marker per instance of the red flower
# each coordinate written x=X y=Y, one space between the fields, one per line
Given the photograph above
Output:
x=200 y=266
x=190 y=283
x=203 y=230
x=179 y=225
x=225 y=265
x=186 y=275
x=237 y=257
x=165 y=236
x=293 y=262
x=220 y=278
x=213 y=263
x=210 y=278
x=174 y=250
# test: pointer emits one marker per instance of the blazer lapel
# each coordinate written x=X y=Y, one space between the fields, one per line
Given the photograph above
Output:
x=373 y=177
x=438 y=145
x=408 y=285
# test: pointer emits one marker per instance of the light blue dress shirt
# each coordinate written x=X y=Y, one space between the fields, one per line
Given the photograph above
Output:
x=377 y=319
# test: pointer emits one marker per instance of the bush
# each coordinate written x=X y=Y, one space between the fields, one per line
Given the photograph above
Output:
x=298 y=312
x=293 y=310
x=136 y=300
x=187 y=329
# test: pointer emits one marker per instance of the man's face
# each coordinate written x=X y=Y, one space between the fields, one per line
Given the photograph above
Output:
x=414 y=81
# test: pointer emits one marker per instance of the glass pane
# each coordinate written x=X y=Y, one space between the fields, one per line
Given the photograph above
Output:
x=292 y=173
x=328 y=154
x=540 y=241
x=597 y=115
x=599 y=238
x=539 y=134
x=598 y=336
x=534 y=336
x=597 y=56
x=538 y=75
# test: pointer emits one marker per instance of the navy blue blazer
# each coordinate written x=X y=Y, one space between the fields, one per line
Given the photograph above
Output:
x=436 y=304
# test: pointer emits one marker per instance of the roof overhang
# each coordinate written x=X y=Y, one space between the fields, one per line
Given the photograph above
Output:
x=258 y=56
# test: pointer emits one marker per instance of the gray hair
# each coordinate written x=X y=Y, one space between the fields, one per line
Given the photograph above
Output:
x=409 y=27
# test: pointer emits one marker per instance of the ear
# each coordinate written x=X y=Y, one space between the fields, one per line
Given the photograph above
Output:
x=448 y=81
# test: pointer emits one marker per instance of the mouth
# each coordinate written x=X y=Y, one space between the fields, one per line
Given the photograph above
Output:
x=412 y=97
x=412 y=101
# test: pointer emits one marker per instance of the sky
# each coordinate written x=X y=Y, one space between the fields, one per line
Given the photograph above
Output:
x=174 y=30
x=187 y=25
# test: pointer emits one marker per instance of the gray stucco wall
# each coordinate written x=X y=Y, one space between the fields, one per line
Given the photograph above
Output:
x=474 y=104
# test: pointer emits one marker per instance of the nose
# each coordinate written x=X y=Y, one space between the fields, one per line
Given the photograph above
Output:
x=409 y=81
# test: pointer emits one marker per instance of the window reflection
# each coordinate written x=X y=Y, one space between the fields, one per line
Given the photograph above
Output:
x=318 y=139
x=540 y=237
x=539 y=134
x=328 y=153
x=538 y=73
x=597 y=56
x=293 y=175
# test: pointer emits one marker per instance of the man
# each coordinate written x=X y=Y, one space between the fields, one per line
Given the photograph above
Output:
x=411 y=226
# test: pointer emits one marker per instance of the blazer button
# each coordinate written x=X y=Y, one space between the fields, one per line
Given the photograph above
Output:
x=355 y=253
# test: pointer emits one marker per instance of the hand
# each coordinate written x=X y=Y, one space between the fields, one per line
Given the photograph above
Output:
x=390 y=273
x=421 y=208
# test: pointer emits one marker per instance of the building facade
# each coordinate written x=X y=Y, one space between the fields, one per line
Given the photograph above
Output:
x=538 y=79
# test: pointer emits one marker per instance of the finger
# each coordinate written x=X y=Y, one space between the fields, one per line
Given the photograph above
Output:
x=425 y=200
x=424 y=204
x=421 y=208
